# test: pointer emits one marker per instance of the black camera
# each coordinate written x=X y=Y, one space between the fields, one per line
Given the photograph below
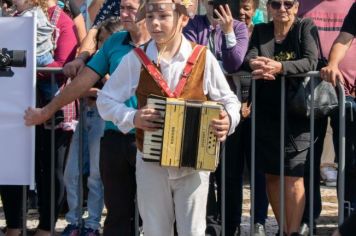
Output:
x=11 y=58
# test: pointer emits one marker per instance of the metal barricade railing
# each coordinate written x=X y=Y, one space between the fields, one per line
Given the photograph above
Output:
x=341 y=166
x=82 y=120
x=53 y=71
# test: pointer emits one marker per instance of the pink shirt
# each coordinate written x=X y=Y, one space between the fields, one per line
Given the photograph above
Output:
x=67 y=41
x=328 y=16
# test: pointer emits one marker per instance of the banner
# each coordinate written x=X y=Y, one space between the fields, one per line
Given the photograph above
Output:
x=17 y=92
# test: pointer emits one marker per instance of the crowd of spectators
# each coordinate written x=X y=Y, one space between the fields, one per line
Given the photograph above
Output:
x=269 y=39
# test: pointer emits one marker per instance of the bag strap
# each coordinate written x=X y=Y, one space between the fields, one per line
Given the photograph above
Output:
x=158 y=77
x=192 y=60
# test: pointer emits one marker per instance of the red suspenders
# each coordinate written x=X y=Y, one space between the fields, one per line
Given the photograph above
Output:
x=157 y=76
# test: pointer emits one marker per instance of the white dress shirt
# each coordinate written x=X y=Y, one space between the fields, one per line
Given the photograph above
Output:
x=124 y=81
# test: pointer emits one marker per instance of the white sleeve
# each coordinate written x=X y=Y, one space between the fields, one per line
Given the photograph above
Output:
x=118 y=89
x=230 y=39
x=216 y=86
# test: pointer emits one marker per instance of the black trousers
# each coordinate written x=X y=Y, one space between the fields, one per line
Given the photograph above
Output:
x=43 y=173
x=11 y=197
x=117 y=170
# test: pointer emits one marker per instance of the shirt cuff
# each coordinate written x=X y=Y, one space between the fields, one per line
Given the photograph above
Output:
x=128 y=123
x=230 y=39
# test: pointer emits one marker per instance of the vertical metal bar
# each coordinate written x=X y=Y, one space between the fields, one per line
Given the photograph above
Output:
x=311 y=157
x=24 y=210
x=137 y=218
x=341 y=177
x=253 y=158
x=52 y=161
x=282 y=132
x=80 y=163
x=223 y=184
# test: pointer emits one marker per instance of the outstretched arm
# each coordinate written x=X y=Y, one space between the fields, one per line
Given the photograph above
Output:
x=82 y=83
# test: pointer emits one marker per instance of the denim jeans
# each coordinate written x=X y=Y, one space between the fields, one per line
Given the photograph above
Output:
x=44 y=85
x=350 y=149
x=93 y=131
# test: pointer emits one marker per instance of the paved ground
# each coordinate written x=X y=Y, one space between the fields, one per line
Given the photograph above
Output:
x=326 y=223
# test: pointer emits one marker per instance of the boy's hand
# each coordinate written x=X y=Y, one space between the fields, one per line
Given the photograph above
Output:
x=225 y=20
x=147 y=118
x=35 y=116
x=221 y=126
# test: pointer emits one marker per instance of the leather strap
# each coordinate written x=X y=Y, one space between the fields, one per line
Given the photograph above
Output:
x=158 y=77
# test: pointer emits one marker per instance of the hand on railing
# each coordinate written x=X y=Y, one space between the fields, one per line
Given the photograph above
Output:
x=265 y=68
x=36 y=116
x=331 y=74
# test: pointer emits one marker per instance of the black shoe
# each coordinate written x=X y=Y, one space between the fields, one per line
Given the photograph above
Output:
x=296 y=234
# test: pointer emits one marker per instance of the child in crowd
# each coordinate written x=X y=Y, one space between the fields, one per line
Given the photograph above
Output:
x=44 y=40
x=166 y=195
x=93 y=130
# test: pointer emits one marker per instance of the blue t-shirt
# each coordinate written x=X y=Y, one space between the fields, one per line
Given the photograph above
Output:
x=108 y=58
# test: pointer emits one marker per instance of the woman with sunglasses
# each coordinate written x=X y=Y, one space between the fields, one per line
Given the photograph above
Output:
x=283 y=46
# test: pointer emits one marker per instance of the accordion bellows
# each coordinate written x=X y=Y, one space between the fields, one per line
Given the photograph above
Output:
x=186 y=138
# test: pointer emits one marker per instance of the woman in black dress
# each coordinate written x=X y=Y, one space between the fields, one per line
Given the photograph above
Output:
x=281 y=47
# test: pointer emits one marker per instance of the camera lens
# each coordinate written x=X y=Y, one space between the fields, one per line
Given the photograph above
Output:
x=18 y=58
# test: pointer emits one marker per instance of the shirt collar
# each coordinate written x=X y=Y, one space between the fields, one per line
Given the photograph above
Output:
x=183 y=53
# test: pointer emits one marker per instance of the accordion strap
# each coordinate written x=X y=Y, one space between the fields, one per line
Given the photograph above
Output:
x=158 y=77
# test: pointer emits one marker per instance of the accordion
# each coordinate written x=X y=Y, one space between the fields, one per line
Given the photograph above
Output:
x=186 y=138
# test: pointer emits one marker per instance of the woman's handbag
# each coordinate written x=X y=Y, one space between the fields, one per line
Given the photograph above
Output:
x=299 y=89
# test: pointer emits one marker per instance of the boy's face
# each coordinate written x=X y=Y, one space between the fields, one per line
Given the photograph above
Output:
x=162 y=24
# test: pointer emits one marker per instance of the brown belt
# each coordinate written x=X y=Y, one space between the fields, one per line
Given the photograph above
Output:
x=353 y=93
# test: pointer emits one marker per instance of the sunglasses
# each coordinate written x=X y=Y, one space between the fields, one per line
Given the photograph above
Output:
x=276 y=5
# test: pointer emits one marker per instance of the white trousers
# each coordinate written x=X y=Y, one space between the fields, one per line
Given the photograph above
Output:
x=161 y=201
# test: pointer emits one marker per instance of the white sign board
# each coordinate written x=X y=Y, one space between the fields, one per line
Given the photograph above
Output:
x=17 y=92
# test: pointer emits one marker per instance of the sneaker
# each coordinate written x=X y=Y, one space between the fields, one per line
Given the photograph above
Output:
x=259 y=230
x=70 y=230
x=89 y=232
x=237 y=231
x=329 y=175
x=304 y=229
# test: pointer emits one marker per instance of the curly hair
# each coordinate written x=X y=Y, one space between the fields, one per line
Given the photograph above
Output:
x=43 y=4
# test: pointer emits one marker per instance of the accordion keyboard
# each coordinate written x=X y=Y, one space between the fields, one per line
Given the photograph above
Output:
x=152 y=147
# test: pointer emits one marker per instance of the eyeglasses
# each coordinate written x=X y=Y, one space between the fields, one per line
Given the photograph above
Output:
x=276 y=5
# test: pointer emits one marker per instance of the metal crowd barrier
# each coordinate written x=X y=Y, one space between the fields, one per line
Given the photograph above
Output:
x=341 y=177
x=82 y=120
x=341 y=164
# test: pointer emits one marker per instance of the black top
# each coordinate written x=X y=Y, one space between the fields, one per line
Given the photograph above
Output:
x=294 y=60
x=349 y=25
x=109 y=8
